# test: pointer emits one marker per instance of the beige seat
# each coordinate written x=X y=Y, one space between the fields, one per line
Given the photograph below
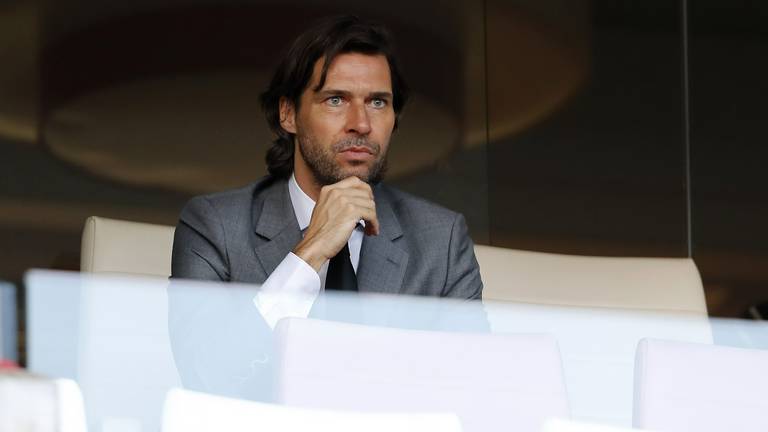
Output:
x=619 y=301
x=116 y=246
x=662 y=284
x=659 y=284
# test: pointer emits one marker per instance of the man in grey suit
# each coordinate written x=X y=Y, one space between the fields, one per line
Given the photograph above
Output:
x=322 y=218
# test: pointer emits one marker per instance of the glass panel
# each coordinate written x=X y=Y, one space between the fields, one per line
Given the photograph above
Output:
x=382 y=353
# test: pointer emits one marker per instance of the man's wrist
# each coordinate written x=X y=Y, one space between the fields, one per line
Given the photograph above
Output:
x=310 y=255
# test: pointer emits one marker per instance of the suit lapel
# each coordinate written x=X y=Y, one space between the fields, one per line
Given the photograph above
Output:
x=382 y=263
x=275 y=222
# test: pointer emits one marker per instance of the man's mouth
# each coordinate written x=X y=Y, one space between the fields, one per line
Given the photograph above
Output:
x=358 y=149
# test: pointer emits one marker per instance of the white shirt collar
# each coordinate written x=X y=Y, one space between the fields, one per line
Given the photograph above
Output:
x=303 y=205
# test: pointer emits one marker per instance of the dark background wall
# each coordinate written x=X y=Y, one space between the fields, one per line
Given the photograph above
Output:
x=602 y=170
x=729 y=148
x=591 y=127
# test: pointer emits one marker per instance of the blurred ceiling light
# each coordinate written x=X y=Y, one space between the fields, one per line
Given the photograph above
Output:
x=182 y=113
x=202 y=132
x=534 y=66
x=18 y=129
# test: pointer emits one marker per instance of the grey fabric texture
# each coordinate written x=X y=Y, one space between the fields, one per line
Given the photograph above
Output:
x=242 y=235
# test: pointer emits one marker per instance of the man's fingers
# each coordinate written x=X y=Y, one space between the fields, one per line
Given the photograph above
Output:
x=372 y=227
x=362 y=202
x=354 y=193
x=359 y=208
x=365 y=188
x=364 y=209
x=334 y=194
x=371 y=221
x=351 y=182
x=350 y=199
x=348 y=182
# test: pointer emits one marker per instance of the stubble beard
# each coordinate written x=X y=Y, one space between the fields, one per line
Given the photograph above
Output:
x=325 y=169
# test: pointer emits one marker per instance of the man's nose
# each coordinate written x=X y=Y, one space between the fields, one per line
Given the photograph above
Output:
x=357 y=119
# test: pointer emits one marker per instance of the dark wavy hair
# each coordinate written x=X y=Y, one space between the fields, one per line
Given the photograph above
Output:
x=326 y=40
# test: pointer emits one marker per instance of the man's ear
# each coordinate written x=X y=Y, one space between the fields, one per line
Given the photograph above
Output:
x=287 y=115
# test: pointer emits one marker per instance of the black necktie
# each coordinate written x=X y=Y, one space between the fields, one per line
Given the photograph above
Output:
x=341 y=275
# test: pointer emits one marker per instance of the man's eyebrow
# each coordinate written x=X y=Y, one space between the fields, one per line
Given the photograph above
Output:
x=381 y=95
x=334 y=92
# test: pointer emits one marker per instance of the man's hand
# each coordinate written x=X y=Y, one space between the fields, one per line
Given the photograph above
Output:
x=338 y=210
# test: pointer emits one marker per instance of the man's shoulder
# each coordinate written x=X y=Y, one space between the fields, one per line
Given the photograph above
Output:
x=409 y=207
x=231 y=201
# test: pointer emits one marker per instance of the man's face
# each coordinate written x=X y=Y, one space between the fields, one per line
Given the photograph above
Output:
x=343 y=129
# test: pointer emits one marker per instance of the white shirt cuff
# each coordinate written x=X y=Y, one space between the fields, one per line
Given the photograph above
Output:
x=289 y=291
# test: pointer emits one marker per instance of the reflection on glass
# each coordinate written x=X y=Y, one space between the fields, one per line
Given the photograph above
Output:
x=127 y=341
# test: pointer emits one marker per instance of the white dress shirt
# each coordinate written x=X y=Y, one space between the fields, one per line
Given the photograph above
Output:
x=293 y=287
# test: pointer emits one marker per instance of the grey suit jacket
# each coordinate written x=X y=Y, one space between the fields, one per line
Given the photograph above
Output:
x=242 y=236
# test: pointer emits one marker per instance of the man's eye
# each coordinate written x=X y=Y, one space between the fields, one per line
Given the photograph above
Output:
x=378 y=103
x=334 y=101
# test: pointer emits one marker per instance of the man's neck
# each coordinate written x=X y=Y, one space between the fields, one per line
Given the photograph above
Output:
x=307 y=182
